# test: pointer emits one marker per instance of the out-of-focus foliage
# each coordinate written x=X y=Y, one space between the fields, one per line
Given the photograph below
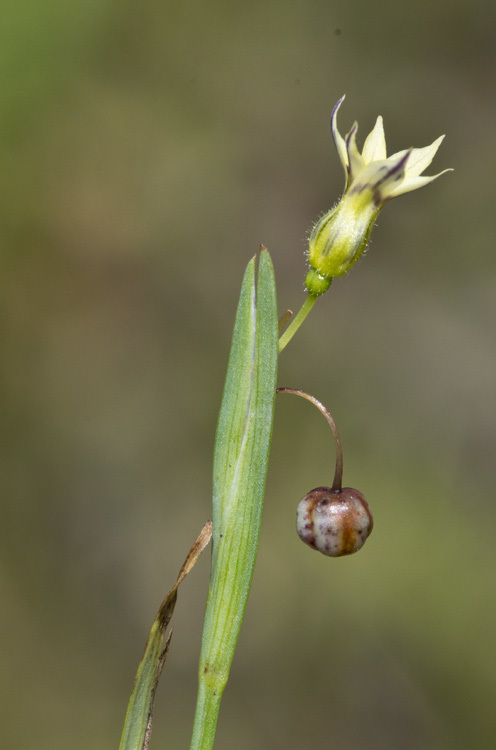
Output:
x=147 y=148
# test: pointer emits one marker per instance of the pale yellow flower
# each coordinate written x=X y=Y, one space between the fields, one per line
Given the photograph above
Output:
x=371 y=180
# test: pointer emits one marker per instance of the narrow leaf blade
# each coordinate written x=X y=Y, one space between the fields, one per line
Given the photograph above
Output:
x=240 y=468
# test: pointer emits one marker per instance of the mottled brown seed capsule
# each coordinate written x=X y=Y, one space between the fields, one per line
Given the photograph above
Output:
x=334 y=522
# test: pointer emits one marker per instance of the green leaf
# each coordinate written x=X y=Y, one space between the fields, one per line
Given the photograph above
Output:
x=240 y=467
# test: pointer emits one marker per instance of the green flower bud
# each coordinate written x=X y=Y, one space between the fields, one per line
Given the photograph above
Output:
x=341 y=235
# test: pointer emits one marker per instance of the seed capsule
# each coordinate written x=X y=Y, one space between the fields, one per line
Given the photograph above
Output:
x=335 y=522
x=332 y=520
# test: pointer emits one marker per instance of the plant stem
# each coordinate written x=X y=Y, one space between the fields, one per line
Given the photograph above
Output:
x=297 y=321
x=207 y=711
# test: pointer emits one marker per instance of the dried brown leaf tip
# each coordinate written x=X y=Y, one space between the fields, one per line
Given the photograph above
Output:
x=167 y=606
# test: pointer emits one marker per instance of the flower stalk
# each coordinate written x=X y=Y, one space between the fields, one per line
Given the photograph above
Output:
x=297 y=321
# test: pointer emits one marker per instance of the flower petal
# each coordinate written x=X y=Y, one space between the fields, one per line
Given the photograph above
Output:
x=413 y=183
x=380 y=179
x=355 y=159
x=420 y=158
x=338 y=139
x=374 y=148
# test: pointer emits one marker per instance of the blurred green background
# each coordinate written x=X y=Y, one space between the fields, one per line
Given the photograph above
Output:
x=147 y=149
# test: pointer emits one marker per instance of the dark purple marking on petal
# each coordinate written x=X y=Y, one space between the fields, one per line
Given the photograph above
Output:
x=348 y=141
x=334 y=111
x=396 y=168
x=350 y=135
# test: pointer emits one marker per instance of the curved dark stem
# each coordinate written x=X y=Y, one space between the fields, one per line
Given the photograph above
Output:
x=338 y=473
